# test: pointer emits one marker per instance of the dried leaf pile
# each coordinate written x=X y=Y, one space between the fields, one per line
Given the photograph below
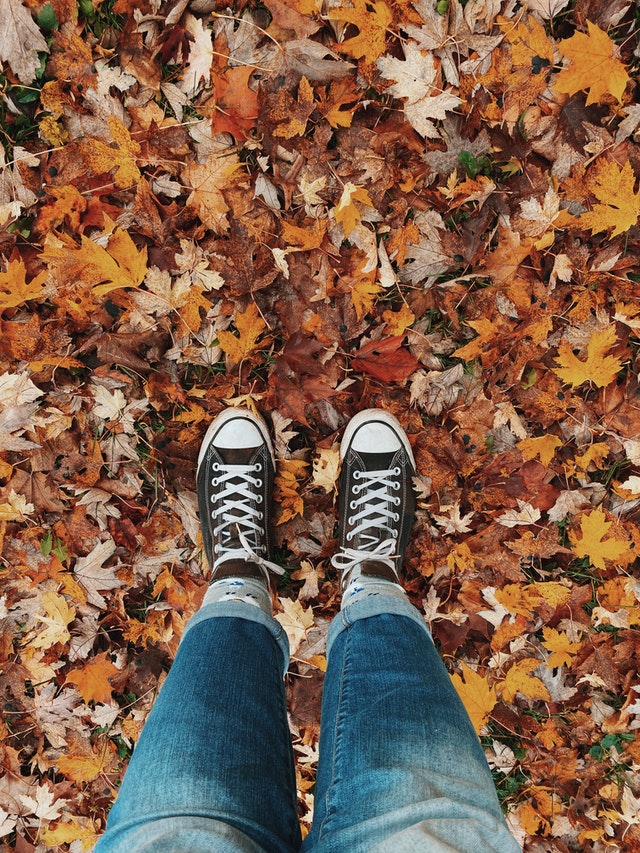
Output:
x=310 y=208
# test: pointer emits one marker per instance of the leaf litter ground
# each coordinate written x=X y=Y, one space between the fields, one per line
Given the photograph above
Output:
x=308 y=209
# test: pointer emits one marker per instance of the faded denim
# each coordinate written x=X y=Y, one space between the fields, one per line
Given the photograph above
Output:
x=401 y=769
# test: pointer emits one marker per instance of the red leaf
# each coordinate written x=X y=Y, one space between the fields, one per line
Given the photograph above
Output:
x=385 y=360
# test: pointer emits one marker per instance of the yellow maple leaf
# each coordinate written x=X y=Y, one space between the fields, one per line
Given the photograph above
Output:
x=553 y=592
x=14 y=289
x=92 y=679
x=82 y=764
x=592 y=543
x=561 y=648
x=76 y=829
x=363 y=295
x=207 y=180
x=599 y=368
x=121 y=264
x=372 y=19
x=397 y=322
x=543 y=446
x=287 y=489
x=57 y=616
x=346 y=211
x=619 y=205
x=595 y=67
x=487 y=331
x=477 y=697
x=519 y=680
x=102 y=157
x=298 y=112
x=250 y=326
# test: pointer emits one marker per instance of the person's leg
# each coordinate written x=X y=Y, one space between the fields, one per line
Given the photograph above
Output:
x=213 y=769
x=401 y=768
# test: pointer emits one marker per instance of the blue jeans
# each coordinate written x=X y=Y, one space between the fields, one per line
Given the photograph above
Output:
x=401 y=769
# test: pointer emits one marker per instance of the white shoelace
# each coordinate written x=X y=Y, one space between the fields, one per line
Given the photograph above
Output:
x=235 y=517
x=372 y=510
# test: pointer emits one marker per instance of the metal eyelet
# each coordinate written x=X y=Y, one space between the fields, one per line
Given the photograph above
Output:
x=356 y=475
x=350 y=520
x=259 y=498
x=353 y=505
x=396 y=471
x=349 y=536
x=396 y=516
x=258 y=484
x=215 y=466
x=397 y=501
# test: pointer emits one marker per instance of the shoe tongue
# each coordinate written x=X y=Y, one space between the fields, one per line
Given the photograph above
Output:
x=237 y=455
x=377 y=461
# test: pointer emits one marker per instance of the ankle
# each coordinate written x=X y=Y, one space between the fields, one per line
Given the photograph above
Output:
x=246 y=589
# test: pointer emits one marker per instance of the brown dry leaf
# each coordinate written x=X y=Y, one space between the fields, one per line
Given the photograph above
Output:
x=207 y=181
x=21 y=40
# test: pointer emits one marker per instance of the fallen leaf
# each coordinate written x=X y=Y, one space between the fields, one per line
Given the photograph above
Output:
x=477 y=696
x=519 y=680
x=595 y=67
x=386 y=360
x=21 y=40
x=592 y=543
x=92 y=679
x=250 y=326
x=598 y=367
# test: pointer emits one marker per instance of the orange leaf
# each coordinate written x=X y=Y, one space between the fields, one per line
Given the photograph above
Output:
x=119 y=265
x=236 y=108
x=543 y=447
x=103 y=157
x=599 y=368
x=518 y=680
x=14 y=289
x=594 y=527
x=250 y=326
x=594 y=67
x=287 y=488
x=561 y=648
x=386 y=360
x=477 y=697
x=92 y=680
x=296 y=112
x=346 y=211
x=334 y=105
x=613 y=186
x=487 y=332
x=372 y=20
x=82 y=765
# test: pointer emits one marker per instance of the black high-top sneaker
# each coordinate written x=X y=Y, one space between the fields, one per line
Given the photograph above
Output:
x=235 y=486
x=377 y=500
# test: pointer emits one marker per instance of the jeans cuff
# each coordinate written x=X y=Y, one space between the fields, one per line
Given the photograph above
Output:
x=242 y=610
x=374 y=605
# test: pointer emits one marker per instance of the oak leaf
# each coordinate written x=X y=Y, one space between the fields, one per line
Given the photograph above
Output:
x=476 y=695
x=619 y=205
x=250 y=326
x=373 y=20
x=595 y=67
x=599 y=368
x=92 y=679
x=592 y=543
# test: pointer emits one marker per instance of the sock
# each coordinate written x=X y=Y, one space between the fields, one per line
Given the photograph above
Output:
x=360 y=586
x=250 y=590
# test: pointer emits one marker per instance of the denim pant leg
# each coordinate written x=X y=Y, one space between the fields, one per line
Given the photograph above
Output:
x=213 y=769
x=401 y=768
